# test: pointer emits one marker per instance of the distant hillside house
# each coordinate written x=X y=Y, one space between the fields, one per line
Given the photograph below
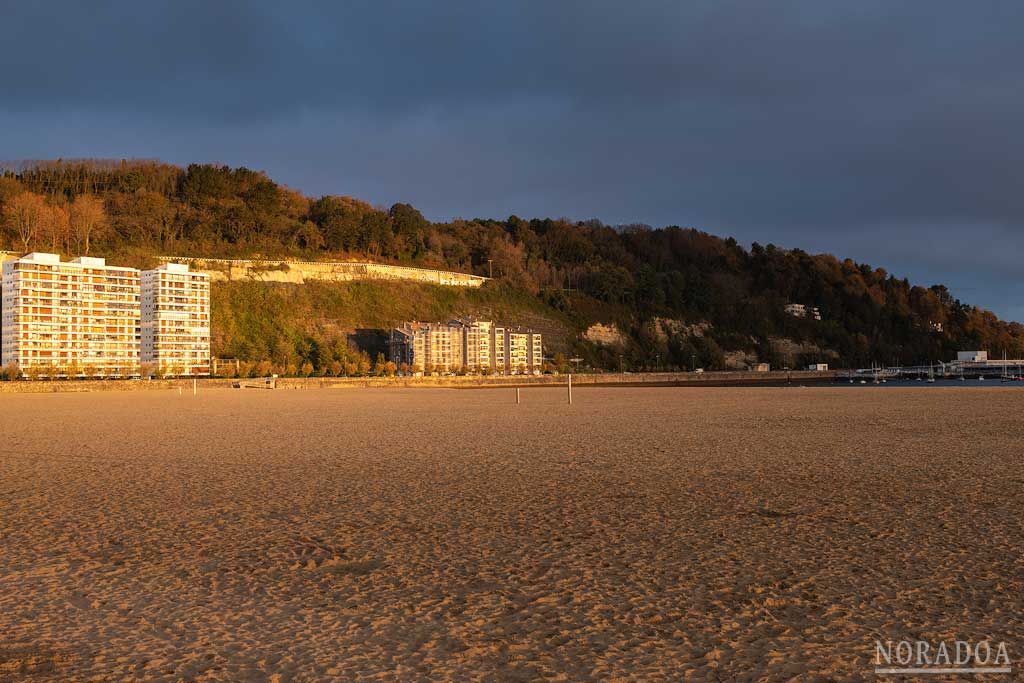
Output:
x=471 y=346
x=972 y=356
x=802 y=311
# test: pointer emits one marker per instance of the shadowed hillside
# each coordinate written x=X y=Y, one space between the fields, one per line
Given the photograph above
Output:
x=321 y=322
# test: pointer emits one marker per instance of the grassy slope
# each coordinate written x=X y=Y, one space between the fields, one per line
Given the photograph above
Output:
x=250 y=316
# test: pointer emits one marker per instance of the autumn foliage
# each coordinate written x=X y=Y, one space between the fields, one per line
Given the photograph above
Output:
x=580 y=272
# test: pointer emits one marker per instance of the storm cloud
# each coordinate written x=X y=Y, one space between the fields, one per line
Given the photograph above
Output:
x=886 y=132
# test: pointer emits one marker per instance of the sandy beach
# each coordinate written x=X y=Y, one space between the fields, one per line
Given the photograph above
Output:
x=440 y=534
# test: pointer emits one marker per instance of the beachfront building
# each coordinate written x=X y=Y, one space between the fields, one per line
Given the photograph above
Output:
x=428 y=347
x=535 y=359
x=176 y=320
x=472 y=346
x=72 y=318
x=518 y=351
x=499 y=345
x=476 y=346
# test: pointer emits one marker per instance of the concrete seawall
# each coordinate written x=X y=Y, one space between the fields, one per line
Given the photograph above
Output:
x=81 y=386
x=609 y=379
x=602 y=379
x=298 y=272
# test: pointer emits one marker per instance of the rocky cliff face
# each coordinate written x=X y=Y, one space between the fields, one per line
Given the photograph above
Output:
x=606 y=335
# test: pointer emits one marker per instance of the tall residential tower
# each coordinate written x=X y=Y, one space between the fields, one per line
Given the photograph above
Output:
x=176 y=320
x=73 y=318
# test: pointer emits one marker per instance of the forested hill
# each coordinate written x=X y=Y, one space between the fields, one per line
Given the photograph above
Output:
x=678 y=296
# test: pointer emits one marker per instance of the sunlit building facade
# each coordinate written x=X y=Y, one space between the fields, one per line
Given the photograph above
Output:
x=428 y=347
x=69 y=318
x=476 y=344
x=517 y=351
x=176 y=320
x=499 y=346
x=472 y=346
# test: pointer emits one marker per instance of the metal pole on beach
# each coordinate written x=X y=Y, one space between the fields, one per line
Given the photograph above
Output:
x=195 y=387
x=517 y=395
x=570 y=389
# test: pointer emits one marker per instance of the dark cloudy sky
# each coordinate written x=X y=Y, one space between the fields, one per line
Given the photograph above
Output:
x=884 y=131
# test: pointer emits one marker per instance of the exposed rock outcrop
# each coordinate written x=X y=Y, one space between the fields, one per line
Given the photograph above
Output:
x=605 y=335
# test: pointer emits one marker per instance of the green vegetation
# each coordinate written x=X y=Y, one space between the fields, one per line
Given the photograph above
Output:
x=323 y=323
x=679 y=296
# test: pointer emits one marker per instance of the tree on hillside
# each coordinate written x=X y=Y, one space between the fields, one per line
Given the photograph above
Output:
x=25 y=214
x=375 y=233
x=9 y=188
x=308 y=237
x=88 y=220
x=410 y=227
x=340 y=221
x=56 y=227
x=144 y=217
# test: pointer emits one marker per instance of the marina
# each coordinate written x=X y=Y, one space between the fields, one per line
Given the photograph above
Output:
x=983 y=371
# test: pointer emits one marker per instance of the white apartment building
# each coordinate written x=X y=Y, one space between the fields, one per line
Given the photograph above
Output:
x=445 y=348
x=476 y=351
x=428 y=347
x=73 y=318
x=517 y=351
x=535 y=361
x=499 y=346
x=176 y=320
x=475 y=346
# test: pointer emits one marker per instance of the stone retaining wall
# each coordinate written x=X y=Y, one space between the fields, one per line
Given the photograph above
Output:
x=298 y=272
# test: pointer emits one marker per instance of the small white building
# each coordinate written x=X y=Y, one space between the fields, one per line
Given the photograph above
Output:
x=972 y=356
x=818 y=367
x=803 y=311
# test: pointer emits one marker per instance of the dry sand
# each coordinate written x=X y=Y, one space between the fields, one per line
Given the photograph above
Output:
x=641 y=534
